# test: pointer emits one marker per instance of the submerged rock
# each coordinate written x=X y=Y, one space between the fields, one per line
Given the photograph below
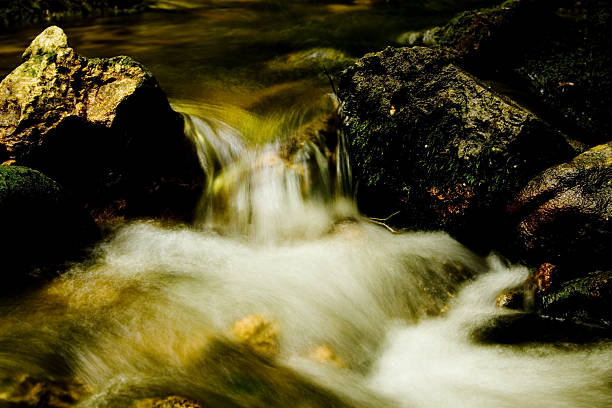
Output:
x=314 y=60
x=565 y=215
x=42 y=228
x=433 y=142
x=259 y=334
x=31 y=392
x=102 y=127
x=519 y=329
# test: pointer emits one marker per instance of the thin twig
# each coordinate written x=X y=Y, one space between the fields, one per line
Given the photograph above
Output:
x=385 y=219
x=331 y=81
x=373 y=221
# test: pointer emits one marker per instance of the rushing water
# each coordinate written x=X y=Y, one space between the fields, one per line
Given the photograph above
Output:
x=281 y=294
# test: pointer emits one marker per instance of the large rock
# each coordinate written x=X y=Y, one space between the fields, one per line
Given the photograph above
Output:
x=41 y=226
x=564 y=215
x=431 y=141
x=559 y=52
x=102 y=127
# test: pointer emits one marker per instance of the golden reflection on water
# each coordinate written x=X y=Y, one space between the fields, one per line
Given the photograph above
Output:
x=235 y=52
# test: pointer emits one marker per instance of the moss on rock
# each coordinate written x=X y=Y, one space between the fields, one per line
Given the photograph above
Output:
x=433 y=142
x=559 y=52
x=100 y=126
x=587 y=299
x=42 y=228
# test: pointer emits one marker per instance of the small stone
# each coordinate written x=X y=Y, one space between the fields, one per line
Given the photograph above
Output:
x=258 y=333
x=325 y=354
x=544 y=276
x=512 y=299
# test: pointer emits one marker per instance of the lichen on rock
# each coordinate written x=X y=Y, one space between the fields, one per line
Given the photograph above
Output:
x=558 y=54
x=435 y=143
x=42 y=227
x=102 y=127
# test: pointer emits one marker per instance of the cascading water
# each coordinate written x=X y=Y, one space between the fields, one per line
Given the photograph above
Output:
x=282 y=295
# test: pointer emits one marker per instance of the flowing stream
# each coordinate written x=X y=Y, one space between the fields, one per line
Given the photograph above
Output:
x=281 y=294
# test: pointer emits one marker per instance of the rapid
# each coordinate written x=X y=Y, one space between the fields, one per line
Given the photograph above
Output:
x=280 y=293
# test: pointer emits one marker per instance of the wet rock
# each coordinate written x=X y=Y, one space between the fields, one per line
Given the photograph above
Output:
x=258 y=333
x=587 y=299
x=559 y=52
x=545 y=276
x=42 y=228
x=102 y=127
x=511 y=299
x=31 y=392
x=564 y=214
x=433 y=142
x=518 y=329
x=485 y=33
x=326 y=355
x=314 y=60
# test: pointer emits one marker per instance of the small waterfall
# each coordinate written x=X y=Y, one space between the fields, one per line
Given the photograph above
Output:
x=268 y=193
x=282 y=295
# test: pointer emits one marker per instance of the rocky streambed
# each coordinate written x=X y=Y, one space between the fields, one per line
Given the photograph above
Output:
x=497 y=132
x=492 y=128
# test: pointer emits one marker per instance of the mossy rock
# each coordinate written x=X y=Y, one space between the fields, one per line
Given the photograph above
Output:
x=42 y=228
x=556 y=55
x=433 y=142
x=587 y=299
x=101 y=127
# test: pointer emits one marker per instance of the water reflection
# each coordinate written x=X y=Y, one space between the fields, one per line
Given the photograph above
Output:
x=238 y=52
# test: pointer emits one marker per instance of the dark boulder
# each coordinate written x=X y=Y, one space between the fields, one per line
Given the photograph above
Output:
x=487 y=35
x=42 y=228
x=431 y=141
x=587 y=299
x=102 y=127
x=519 y=329
x=557 y=56
x=564 y=215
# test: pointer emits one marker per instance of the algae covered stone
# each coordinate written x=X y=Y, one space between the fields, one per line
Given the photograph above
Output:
x=432 y=142
x=102 y=127
x=555 y=54
x=49 y=41
x=587 y=299
x=42 y=228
